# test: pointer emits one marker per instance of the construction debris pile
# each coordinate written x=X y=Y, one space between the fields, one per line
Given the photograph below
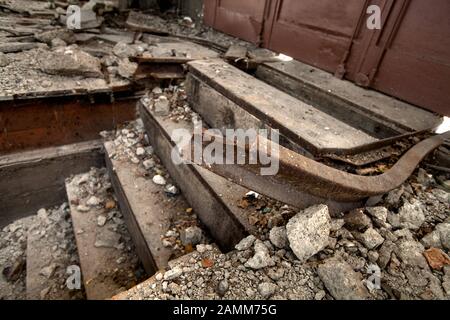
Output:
x=131 y=145
x=315 y=256
x=13 y=243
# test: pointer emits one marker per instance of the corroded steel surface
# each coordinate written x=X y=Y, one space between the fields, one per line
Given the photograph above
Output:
x=301 y=179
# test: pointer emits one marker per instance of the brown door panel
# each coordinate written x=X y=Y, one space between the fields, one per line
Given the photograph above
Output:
x=242 y=19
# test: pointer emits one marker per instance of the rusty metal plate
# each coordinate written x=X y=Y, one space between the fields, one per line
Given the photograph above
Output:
x=300 y=179
x=243 y=19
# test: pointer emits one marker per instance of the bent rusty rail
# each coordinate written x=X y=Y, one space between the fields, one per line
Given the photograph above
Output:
x=302 y=181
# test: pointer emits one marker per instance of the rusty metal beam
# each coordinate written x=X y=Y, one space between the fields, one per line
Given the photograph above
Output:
x=301 y=180
x=53 y=121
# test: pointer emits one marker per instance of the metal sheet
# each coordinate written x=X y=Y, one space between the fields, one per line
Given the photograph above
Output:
x=315 y=32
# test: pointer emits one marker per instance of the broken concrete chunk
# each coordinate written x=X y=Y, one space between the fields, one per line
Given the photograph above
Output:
x=140 y=151
x=48 y=270
x=394 y=196
x=245 y=243
x=444 y=232
x=4 y=60
x=441 y=195
x=341 y=281
x=63 y=34
x=357 y=220
x=171 y=190
x=308 y=231
x=222 y=287
x=278 y=237
x=410 y=252
x=161 y=107
x=261 y=259
x=337 y=224
x=411 y=215
x=83 y=208
x=148 y=164
x=157 y=90
x=191 y=235
x=379 y=214
x=385 y=253
x=71 y=62
x=93 y=201
x=267 y=289
x=370 y=238
x=159 y=180
x=432 y=240
x=124 y=50
x=439 y=238
x=42 y=214
x=173 y=274
x=126 y=69
x=101 y=220
x=424 y=178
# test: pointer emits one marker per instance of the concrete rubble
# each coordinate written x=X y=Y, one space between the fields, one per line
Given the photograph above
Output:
x=402 y=237
x=308 y=232
x=132 y=145
x=93 y=193
x=337 y=271
x=310 y=254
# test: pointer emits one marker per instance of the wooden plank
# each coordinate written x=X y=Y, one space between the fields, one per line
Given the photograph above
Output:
x=328 y=103
x=214 y=198
x=137 y=21
x=147 y=210
x=103 y=274
x=298 y=121
x=146 y=59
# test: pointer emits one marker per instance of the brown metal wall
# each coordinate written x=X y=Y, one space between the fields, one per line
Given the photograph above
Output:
x=243 y=19
x=409 y=58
